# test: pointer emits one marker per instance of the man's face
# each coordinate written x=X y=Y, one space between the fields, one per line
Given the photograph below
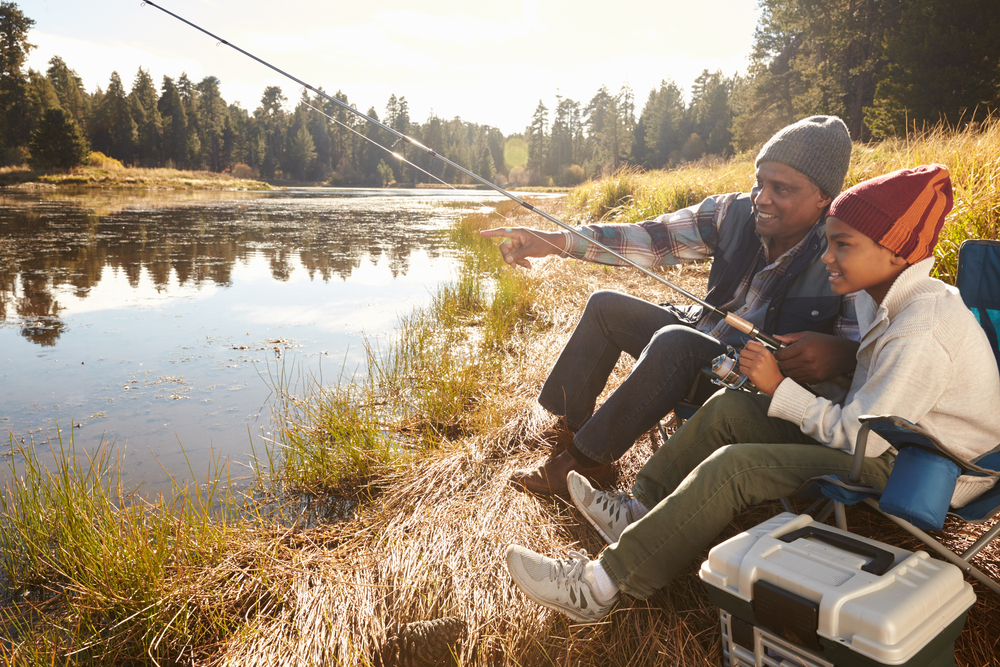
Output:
x=787 y=203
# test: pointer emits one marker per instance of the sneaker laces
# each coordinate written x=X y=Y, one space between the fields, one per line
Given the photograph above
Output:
x=614 y=502
x=571 y=570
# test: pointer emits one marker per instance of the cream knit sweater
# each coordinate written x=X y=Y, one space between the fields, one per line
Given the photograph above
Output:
x=923 y=357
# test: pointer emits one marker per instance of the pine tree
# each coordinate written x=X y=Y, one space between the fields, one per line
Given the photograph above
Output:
x=368 y=155
x=561 y=138
x=486 y=168
x=538 y=143
x=15 y=118
x=664 y=125
x=149 y=124
x=941 y=65
x=301 y=153
x=175 y=125
x=319 y=129
x=342 y=146
x=213 y=116
x=272 y=118
x=57 y=142
x=69 y=87
x=433 y=139
x=606 y=128
x=710 y=112
x=115 y=131
x=40 y=95
x=195 y=140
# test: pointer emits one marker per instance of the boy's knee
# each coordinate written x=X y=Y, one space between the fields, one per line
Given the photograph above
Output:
x=731 y=467
x=729 y=404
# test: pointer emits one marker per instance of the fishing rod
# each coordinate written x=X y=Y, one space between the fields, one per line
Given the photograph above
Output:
x=731 y=319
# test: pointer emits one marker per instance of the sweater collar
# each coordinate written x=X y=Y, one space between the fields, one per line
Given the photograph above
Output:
x=908 y=284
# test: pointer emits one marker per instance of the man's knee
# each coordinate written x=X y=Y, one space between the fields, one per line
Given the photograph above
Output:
x=603 y=301
x=676 y=342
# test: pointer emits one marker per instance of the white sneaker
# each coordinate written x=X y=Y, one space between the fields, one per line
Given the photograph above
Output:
x=563 y=585
x=607 y=511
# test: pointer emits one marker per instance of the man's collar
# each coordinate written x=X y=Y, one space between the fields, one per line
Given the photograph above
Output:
x=817 y=232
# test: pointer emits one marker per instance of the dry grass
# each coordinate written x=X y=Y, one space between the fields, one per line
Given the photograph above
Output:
x=109 y=173
x=420 y=536
x=429 y=543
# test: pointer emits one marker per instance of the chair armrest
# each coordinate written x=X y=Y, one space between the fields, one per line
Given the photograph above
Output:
x=900 y=433
x=860 y=447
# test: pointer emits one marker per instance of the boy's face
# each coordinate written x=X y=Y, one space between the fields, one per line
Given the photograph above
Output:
x=855 y=262
x=786 y=202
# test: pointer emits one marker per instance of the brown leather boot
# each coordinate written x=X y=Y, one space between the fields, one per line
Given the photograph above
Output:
x=558 y=435
x=550 y=478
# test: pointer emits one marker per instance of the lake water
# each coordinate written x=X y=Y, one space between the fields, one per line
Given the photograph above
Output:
x=159 y=321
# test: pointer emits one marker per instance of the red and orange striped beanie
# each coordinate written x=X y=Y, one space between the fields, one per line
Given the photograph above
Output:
x=902 y=211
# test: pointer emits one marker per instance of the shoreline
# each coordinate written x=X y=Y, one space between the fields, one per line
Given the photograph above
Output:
x=386 y=502
x=24 y=178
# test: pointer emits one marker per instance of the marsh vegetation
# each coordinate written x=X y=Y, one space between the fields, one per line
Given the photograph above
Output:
x=384 y=500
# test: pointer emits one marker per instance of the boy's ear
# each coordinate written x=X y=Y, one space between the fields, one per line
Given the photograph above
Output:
x=898 y=261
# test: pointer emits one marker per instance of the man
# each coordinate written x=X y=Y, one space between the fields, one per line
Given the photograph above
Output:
x=766 y=247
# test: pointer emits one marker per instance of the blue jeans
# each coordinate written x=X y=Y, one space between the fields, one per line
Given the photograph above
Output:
x=669 y=356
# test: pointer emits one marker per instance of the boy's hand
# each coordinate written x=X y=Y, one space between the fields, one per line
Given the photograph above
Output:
x=520 y=243
x=760 y=366
x=811 y=357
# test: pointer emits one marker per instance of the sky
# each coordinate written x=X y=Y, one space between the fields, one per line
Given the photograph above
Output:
x=487 y=62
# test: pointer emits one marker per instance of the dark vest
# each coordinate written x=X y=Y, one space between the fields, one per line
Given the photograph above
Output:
x=803 y=300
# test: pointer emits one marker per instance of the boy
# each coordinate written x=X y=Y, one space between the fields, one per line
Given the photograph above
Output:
x=921 y=357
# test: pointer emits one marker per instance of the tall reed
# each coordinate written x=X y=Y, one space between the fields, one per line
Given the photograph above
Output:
x=93 y=573
x=425 y=388
x=972 y=155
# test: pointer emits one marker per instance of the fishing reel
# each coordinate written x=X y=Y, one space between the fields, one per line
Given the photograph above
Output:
x=725 y=370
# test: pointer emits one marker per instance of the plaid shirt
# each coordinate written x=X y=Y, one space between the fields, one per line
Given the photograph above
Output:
x=691 y=234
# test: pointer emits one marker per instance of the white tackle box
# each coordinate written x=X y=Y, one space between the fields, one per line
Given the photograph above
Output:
x=796 y=593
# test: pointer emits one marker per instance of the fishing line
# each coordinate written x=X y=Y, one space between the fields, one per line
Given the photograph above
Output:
x=396 y=155
x=375 y=143
x=731 y=319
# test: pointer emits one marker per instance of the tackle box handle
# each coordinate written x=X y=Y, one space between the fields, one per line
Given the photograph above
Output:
x=881 y=561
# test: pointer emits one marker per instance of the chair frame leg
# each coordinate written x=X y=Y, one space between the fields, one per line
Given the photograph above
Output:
x=841 y=514
x=982 y=542
x=946 y=553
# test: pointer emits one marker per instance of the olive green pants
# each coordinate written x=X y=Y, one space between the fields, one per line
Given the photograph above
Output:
x=727 y=457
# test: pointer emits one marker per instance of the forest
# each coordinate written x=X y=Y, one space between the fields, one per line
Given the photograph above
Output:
x=885 y=66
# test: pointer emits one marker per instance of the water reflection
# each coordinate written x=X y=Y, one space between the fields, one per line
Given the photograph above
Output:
x=160 y=321
x=53 y=242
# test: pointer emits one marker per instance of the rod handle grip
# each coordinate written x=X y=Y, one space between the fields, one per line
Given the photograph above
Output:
x=749 y=329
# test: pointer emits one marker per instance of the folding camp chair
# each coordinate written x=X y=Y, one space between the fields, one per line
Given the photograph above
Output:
x=979 y=283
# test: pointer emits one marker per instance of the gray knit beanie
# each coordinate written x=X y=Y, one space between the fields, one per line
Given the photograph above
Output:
x=819 y=147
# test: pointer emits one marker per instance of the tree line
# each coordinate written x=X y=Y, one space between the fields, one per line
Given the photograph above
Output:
x=884 y=66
